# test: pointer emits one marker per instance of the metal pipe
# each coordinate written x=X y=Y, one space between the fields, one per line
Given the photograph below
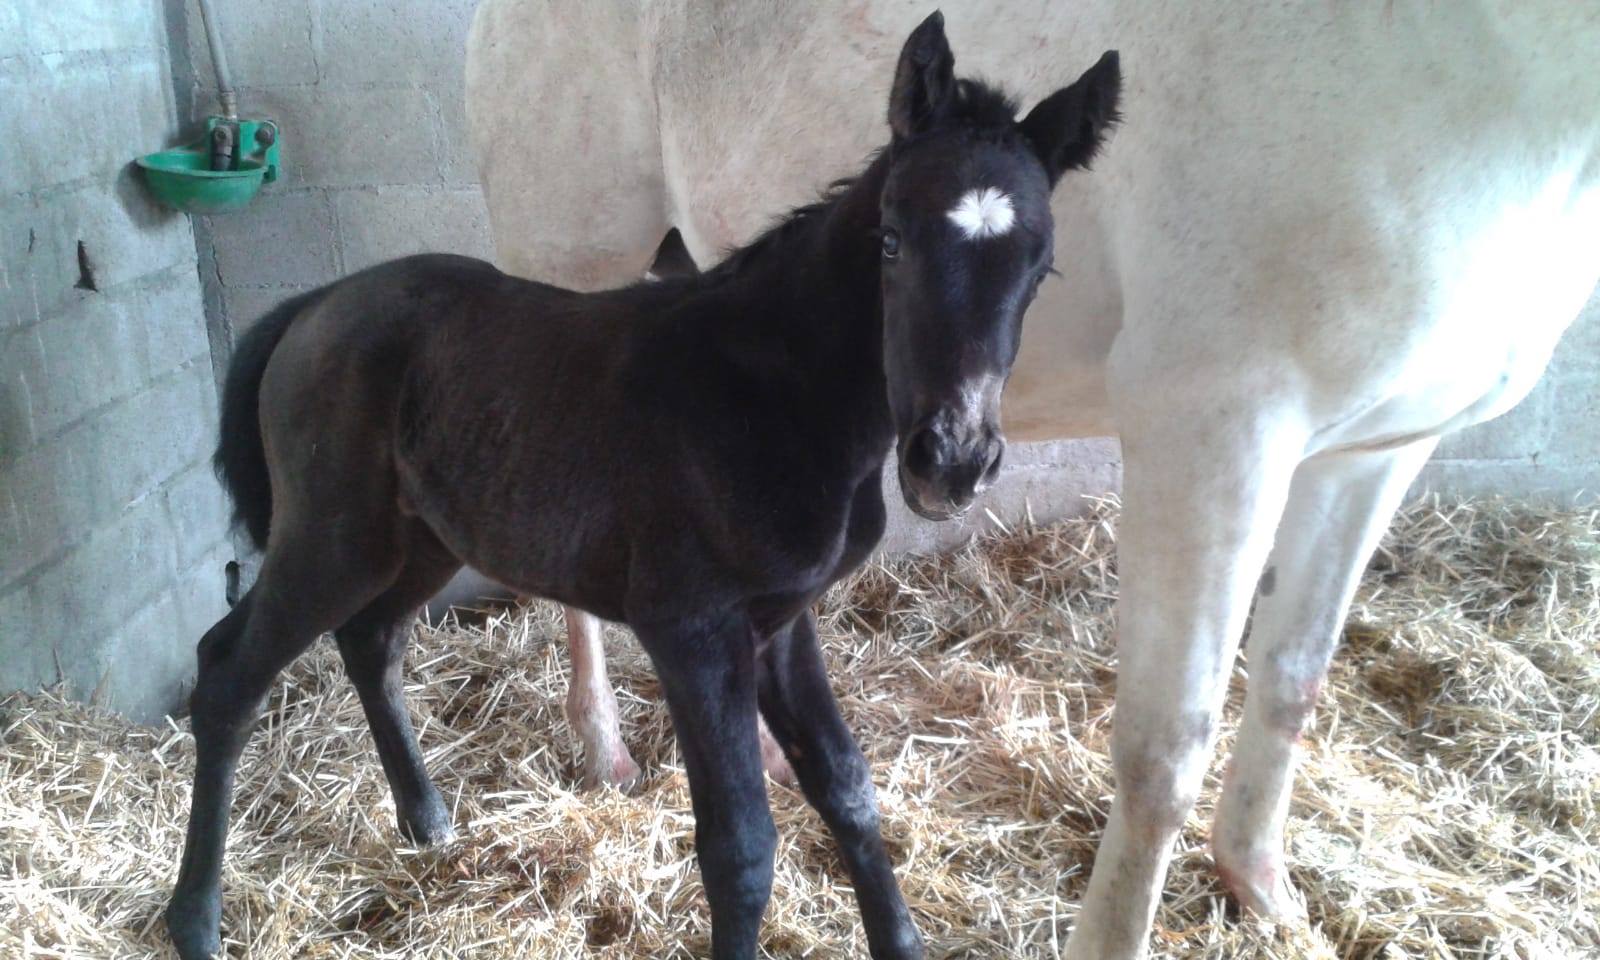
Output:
x=219 y=61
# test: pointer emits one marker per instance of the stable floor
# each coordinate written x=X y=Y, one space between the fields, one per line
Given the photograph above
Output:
x=1447 y=806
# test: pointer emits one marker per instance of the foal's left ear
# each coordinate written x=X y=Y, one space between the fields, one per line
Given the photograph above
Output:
x=1068 y=127
x=924 y=80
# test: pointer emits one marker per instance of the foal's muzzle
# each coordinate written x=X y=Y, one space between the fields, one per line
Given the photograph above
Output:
x=943 y=467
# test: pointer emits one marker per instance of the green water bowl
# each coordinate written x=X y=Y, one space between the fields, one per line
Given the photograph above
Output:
x=182 y=178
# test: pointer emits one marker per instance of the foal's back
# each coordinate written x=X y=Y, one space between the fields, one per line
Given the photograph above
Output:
x=543 y=435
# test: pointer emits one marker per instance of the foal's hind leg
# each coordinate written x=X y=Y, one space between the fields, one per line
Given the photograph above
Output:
x=306 y=587
x=799 y=706
x=1338 y=508
x=373 y=645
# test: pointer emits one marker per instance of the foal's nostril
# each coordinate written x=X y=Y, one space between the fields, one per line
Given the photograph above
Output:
x=922 y=453
x=997 y=452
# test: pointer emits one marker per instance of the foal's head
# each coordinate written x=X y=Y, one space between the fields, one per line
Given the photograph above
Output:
x=967 y=238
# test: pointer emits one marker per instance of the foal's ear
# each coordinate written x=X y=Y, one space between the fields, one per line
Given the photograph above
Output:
x=1068 y=127
x=924 y=81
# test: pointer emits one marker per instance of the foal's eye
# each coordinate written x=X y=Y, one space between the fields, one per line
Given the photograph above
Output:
x=891 y=245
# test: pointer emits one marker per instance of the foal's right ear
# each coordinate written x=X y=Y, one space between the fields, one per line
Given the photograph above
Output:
x=1068 y=127
x=924 y=81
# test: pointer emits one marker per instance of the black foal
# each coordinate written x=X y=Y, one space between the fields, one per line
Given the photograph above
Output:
x=697 y=458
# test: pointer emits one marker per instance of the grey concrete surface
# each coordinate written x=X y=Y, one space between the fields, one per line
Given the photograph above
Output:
x=112 y=531
x=369 y=96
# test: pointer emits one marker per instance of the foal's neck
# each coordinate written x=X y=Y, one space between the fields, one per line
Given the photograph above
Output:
x=833 y=280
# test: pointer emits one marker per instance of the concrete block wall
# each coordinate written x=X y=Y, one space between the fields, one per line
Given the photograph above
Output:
x=369 y=97
x=112 y=530
x=1548 y=446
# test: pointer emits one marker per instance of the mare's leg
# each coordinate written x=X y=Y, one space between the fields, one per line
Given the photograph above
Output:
x=592 y=711
x=1339 y=506
x=373 y=645
x=708 y=672
x=592 y=707
x=307 y=586
x=800 y=709
x=1201 y=499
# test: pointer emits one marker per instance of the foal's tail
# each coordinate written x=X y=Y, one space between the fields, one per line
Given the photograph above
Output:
x=241 y=458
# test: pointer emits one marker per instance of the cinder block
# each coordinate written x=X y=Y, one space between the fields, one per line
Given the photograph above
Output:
x=448 y=97
x=1579 y=349
x=119 y=568
x=146 y=666
x=1535 y=482
x=1521 y=433
x=246 y=305
x=1574 y=438
x=268 y=44
x=64 y=26
x=350 y=136
x=201 y=591
x=50 y=491
x=420 y=39
x=21 y=366
x=139 y=444
x=26 y=268
x=13 y=36
x=124 y=236
x=391 y=222
x=27 y=653
x=11 y=559
x=198 y=509
x=168 y=322
x=84 y=117
x=281 y=238
x=92 y=354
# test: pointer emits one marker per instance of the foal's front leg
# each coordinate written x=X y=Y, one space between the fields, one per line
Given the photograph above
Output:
x=804 y=718
x=707 y=670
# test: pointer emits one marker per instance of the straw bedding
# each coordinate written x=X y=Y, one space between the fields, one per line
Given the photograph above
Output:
x=1446 y=806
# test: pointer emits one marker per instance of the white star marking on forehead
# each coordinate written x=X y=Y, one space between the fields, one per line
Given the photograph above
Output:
x=983 y=212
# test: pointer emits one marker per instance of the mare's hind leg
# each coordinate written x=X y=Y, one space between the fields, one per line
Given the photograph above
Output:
x=592 y=711
x=307 y=586
x=373 y=645
x=1339 y=506
x=592 y=707
x=799 y=706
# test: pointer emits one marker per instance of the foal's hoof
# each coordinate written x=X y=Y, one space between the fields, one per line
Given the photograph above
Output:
x=195 y=928
x=428 y=831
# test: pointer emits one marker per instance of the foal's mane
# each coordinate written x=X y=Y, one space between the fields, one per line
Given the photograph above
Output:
x=978 y=109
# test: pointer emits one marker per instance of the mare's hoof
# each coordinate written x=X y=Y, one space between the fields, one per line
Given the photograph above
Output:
x=775 y=763
x=1263 y=890
x=620 y=772
x=195 y=927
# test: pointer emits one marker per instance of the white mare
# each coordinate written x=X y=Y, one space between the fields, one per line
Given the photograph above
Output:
x=1326 y=234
